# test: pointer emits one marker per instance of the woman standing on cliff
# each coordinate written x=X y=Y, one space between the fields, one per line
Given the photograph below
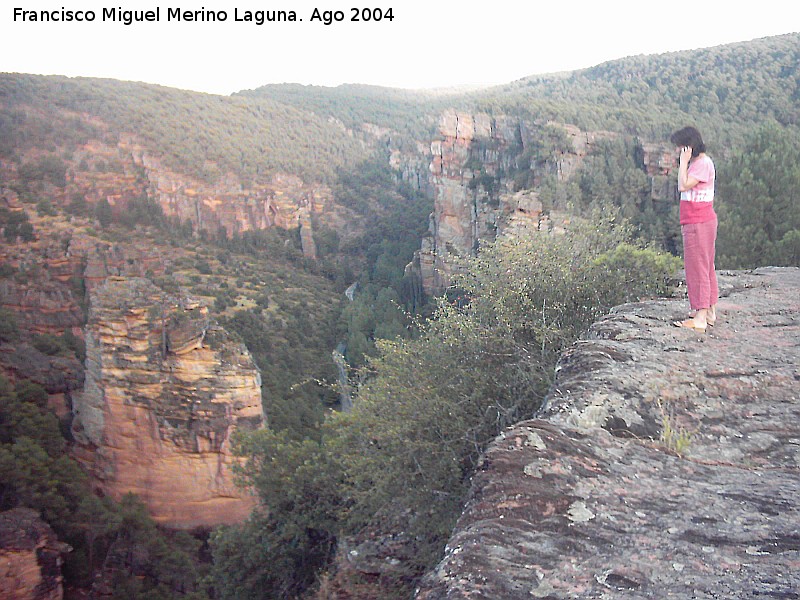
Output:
x=696 y=176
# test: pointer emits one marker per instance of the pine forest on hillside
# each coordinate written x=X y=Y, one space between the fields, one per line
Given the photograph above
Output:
x=381 y=446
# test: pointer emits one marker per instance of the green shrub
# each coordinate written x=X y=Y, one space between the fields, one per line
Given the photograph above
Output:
x=278 y=554
x=76 y=344
x=78 y=206
x=15 y=224
x=103 y=212
x=629 y=273
x=27 y=391
x=48 y=344
x=48 y=168
x=45 y=208
x=203 y=267
x=431 y=404
x=9 y=331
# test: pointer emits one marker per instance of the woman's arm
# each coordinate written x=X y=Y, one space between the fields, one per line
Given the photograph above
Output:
x=685 y=182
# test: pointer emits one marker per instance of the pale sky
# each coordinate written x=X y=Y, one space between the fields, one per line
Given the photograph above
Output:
x=429 y=43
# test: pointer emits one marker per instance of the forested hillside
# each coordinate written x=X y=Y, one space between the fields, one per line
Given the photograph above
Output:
x=411 y=113
x=724 y=90
x=427 y=394
x=198 y=134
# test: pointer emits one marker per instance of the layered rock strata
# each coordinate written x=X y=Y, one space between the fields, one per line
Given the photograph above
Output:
x=473 y=168
x=103 y=260
x=47 y=295
x=30 y=557
x=665 y=464
x=43 y=306
x=230 y=205
x=127 y=172
x=465 y=169
x=166 y=387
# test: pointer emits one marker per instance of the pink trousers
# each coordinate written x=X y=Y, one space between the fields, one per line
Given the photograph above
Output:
x=699 y=241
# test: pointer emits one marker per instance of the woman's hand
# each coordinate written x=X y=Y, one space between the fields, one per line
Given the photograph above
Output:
x=686 y=154
x=685 y=183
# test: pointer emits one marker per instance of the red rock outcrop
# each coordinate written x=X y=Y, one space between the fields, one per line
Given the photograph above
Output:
x=465 y=212
x=473 y=169
x=284 y=201
x=126 y=171
x=664 y=465
x=474 y=197
x=660 y=161
x=39 y=293
x=30 y=557
x=165 y=390
x=42 y=306
x=103 y=260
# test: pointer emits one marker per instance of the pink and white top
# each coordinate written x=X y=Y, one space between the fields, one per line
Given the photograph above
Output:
x=697 y=204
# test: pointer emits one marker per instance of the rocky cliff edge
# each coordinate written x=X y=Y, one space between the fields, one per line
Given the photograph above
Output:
x=666 y=463
x=166 y=388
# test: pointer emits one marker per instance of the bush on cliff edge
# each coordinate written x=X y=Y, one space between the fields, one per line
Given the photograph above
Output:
x=433 y=403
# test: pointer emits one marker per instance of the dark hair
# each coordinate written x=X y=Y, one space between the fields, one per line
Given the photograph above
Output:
x=689 y=136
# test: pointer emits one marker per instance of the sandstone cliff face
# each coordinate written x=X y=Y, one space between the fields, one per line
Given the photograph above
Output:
x=41 y=302
x=30 y=557
x=126 y=171
x=40 y=294
x=593 y=500
x=412 y=164
x=285 y=201
x=47 y=295
x=226 y=204
x=466 y=166
x=472 y=175
x=102 y=260
x=43 y=306
x=165 y=389
x=659 y=162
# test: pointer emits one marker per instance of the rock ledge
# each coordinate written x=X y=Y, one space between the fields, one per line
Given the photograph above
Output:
x=666 y=463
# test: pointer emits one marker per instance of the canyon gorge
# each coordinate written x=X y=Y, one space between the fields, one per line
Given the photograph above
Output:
x=197 y=291
x=163 y=388
x=485 y=174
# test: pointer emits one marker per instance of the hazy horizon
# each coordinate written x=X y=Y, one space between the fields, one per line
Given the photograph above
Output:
x=424 y=47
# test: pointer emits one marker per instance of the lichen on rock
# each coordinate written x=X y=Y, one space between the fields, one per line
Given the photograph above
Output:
x=600 y=506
